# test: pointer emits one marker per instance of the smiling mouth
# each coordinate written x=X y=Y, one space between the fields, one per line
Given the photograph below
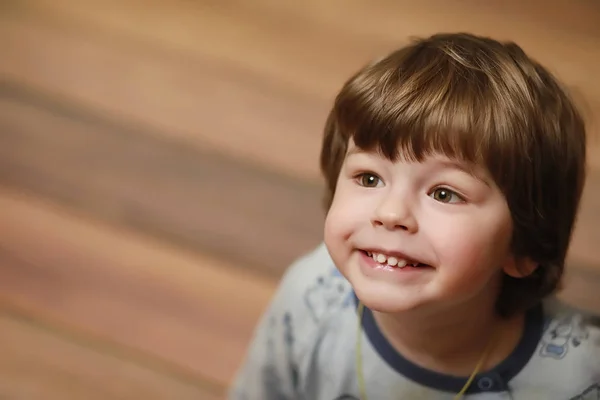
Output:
x=392 y=261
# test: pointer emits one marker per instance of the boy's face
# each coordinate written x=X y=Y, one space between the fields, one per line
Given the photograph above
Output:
x=454 y=224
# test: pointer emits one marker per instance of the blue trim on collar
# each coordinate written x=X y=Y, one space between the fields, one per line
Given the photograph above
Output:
x=495 y=380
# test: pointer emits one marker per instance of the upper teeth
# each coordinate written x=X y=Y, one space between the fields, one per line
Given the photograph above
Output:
x=390 y=260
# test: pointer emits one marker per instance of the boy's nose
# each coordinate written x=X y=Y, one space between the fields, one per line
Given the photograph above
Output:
x=394 y=213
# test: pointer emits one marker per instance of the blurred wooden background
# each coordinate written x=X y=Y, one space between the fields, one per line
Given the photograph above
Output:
x=158 y=172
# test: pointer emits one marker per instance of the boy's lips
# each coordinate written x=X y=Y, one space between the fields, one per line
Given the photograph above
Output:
x=399 y=272
x=393 y=258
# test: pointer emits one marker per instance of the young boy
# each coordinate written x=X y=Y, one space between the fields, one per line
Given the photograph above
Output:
x=454 y=170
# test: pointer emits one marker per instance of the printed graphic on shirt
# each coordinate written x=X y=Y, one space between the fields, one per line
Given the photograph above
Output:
x=328 y=292
x=591 y=393
x=561 y=335
x=270 y=375
x=289 y=346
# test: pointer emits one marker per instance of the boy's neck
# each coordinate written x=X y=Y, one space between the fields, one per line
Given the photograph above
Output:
x=452 y=343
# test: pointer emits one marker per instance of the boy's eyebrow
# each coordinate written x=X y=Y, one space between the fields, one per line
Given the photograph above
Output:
x=465 y=167
x=354 y=150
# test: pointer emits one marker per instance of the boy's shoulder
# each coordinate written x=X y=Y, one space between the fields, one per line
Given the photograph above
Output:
x=570 y=333
x=312 y=285
x=301 y=321
x=568 y=353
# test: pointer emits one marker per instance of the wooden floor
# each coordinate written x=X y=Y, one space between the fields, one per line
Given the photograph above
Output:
x=158 y=172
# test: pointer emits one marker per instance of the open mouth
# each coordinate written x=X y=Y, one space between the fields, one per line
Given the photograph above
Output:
x=393 y=261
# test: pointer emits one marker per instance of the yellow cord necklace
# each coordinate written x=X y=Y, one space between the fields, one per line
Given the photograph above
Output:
x=359 y=366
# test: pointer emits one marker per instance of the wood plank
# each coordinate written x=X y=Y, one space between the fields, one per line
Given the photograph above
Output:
x=138 y=179
x=584 y=251
x=581 y=289
x=175 y=57
x=190 y=310
x=125 y=288
x=316 y=28
x=381 y=17
x=143 y=180
x=40 y=363
x=208 y=105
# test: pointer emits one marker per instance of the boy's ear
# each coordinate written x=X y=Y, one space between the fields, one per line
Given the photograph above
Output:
x=520 y=267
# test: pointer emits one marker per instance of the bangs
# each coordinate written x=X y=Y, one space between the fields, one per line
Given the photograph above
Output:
x=427 y=108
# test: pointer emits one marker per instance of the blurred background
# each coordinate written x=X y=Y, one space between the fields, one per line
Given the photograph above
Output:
x=159 y=171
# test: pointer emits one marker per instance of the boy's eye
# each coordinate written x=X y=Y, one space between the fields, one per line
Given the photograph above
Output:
x=368 y=180
x=444 y=195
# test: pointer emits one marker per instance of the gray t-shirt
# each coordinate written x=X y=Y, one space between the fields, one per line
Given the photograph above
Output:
x=304 y=348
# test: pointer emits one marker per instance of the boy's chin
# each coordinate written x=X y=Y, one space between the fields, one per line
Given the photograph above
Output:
x=380 y=300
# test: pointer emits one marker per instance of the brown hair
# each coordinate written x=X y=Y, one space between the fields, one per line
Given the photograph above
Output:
x=484 y=102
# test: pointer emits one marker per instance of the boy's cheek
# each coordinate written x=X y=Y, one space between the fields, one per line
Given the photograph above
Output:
x=338 y=225
x=342 y=222
x=470 y=255
x=347 y=211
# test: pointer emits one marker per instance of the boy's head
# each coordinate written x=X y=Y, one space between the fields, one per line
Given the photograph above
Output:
x=485 y=107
